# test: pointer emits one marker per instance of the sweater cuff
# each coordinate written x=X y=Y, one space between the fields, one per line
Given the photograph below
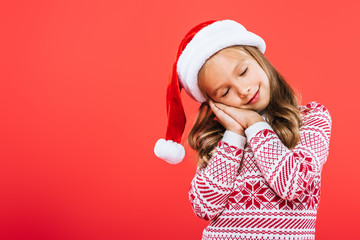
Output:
x=234 y=139
x=251 y=131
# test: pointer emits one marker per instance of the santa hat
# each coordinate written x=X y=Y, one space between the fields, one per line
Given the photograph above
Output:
x=199 y=44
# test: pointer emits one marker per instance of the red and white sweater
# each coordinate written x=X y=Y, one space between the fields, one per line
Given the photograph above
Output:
x=276 y=193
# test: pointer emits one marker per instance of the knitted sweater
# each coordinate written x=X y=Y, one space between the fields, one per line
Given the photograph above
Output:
x=275 y=194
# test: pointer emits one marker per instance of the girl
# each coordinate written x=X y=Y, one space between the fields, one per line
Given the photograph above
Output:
x=260 y=153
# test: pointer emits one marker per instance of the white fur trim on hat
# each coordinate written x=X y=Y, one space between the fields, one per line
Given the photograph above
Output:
x=205 y=43
x=170 y=151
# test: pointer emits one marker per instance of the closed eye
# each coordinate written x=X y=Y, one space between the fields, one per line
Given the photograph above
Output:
x=244 y=72
x=229 y=88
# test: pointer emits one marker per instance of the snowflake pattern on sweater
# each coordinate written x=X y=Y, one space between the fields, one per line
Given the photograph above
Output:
x=276 y=194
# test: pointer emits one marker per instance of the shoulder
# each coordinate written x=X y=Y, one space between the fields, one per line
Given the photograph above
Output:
x=313 y=106
x=315 y=109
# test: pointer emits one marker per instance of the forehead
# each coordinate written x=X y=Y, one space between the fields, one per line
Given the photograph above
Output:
x=231 y=52
x=226 y=58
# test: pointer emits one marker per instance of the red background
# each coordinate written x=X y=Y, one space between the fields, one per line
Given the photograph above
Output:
x=82 y=91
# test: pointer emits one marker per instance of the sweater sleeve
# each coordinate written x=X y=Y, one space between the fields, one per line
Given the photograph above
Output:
x=289 y=172
x=211 y=186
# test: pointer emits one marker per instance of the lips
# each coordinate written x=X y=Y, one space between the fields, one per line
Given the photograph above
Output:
x=253 y=96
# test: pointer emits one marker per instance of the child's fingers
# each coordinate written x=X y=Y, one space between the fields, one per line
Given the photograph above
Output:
x=214 y=108
x=218 y=109
x=225 y=119
x=239 y=115
x=224 y=108
x=236 y=113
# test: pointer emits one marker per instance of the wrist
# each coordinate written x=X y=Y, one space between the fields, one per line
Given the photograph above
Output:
x=239 y=132
x=254 y=120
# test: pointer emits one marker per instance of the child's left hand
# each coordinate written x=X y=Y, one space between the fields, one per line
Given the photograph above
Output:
x=245 y=117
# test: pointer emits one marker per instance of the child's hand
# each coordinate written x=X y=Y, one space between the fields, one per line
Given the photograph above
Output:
x=226 y=120
x=244 y=117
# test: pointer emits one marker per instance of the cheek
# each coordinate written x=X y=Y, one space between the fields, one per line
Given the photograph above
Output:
x=258 y=78
x=264 y=80
x=266 y=83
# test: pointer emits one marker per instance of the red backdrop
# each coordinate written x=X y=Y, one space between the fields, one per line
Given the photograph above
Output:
x=82 y=90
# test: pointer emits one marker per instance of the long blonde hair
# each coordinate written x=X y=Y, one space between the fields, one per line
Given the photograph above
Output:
x=282 y=113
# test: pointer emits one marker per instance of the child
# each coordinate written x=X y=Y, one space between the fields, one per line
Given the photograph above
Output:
x=260 y=153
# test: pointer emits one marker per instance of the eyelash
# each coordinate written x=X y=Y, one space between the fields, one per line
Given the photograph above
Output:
x=229 y=88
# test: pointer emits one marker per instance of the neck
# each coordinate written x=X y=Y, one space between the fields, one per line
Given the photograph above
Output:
x=261 y=112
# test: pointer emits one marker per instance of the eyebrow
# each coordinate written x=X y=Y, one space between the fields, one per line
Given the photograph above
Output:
x=236 y=67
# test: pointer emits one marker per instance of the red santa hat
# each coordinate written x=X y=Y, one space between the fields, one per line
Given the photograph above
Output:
x=199 y=44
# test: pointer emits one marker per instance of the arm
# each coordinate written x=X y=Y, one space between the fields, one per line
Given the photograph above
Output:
x=211 y=187
x=289 y=172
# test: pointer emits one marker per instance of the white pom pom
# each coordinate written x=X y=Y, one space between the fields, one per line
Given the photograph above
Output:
x=170 y=151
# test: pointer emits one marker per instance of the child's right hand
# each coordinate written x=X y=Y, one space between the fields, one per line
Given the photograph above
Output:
x=227 y=121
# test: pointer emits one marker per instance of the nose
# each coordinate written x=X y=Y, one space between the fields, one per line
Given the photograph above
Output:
x=243 y=89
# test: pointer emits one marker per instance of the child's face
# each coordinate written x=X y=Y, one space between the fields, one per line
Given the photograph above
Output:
x=224 y=72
